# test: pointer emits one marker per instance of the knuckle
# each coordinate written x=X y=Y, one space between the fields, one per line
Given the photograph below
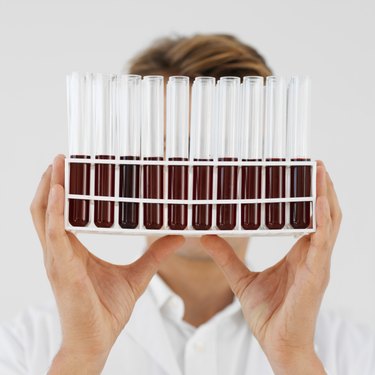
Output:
x=326 y=243
x=52 y=232
x=320 y=281
x=323 y=241
x=52 y=271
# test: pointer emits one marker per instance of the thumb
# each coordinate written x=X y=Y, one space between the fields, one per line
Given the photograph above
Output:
x=58 y=245
x=235 y=271
x=142 y=270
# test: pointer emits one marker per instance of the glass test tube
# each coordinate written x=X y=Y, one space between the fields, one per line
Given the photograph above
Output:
x=274 y=144
x=251 y=150
x=298 y=132
x=104 y=122
x=228 y=124
x=177 y=148
x=129 y=145
x=202 y=121
x=153 y=149
x=79 y=99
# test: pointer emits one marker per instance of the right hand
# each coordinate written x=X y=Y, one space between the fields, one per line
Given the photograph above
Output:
x=95 y=298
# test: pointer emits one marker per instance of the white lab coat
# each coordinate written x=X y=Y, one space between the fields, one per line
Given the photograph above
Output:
x=29 y=342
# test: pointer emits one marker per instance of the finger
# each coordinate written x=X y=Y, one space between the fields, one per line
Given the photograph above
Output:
x=321 y=179
x=235 y=271
x=141 y=271
x=319 y=252
x=335 y=209
x=39 y=205
x=58 y=170
x=322 y=209
x=58 y=244
x=331 y=193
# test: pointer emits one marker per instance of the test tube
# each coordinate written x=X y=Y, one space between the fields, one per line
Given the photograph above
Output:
x=228 y=150
x=298 y=140
x=153 y=149
x=202 y=137
x=129 y=145
x=79 y=100
x=251 y=150
x=274 y=143
x=104 y=122
x=177 y=148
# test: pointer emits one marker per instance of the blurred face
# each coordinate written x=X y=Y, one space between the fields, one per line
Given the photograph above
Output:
x=193 y=249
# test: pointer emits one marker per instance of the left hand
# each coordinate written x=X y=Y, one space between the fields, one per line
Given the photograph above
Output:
x=281 y=303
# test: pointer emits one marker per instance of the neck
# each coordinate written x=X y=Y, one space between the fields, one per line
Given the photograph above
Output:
x=200 y=283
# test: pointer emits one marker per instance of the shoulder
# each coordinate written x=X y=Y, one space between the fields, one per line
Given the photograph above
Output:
x=343 y=346
x=32 y=337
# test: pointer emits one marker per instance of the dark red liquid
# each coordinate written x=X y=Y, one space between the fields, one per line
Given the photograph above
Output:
x=251 y=189
x=178 y=189
x=129 y=188
x=300 y=186
x=105 y=187
x=153 y=188
x=79 y=183
x=202 y=189
x=275 y=188
x=226 y=189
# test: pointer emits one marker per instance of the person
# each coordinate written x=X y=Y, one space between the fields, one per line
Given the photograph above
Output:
x=187 y=305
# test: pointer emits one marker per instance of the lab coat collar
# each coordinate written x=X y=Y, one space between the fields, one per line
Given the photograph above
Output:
x=162 y=293
x=146 y=327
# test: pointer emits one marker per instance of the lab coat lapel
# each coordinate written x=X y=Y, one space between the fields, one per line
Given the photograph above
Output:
x=257 y=362
x=146 y=327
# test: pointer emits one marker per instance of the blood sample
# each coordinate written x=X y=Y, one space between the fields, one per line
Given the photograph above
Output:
x=104 y=88
x=202 y=109
x=251 y=150
x=226 y=189
x=129 y=188
x=202 y=189
x=228 y=150
x=79 y=124
x=300 y=186
x=251 y=188
x=275 y=188
x=129 y=146
x=275 y=133
x=153 y=149
x=105 y=187
x=177 y=189
x=298 y=132
x=153 y=187
x=177 y=148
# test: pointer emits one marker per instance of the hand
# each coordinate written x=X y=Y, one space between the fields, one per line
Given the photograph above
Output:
x=95 y=298
x=281 y=303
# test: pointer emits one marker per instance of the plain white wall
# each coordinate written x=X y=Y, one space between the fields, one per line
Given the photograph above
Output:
x=43 y=40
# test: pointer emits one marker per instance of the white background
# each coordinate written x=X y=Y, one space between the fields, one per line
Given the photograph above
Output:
x=332 y=41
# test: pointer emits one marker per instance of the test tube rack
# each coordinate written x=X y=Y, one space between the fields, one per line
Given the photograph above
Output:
x=287 y=230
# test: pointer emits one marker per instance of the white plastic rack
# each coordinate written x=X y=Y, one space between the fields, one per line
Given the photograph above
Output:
x=189 y=230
